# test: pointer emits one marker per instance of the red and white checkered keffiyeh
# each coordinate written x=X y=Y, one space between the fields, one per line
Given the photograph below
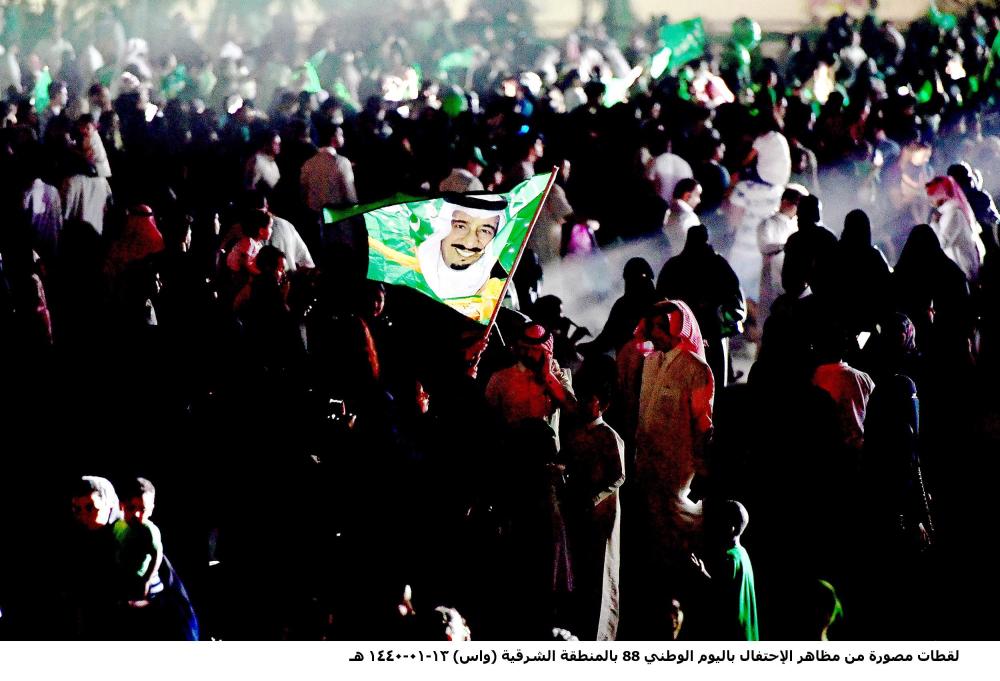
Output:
x=684 y=326
x=536 y=334
x=945 y=187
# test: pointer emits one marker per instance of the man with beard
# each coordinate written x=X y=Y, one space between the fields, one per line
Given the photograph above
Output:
x=459 y=259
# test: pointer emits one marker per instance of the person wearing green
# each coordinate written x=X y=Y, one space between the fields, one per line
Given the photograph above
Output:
x=741 y=54
x=139 y=545
x=732 y=593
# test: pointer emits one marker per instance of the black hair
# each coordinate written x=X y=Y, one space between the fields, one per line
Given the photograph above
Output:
x=55 y=86
x=254 y=221
x=596 y=378
x=523 y=144
x=263 y=138
x=268 y=257
x=685 y=186
x=253 y=199
x=175 y=228
x=658 y=309
x=792 y=196
x=594 y=88
x=137 y=487
x=329 y=131
x=709 y=144
x=297 y=128
x=810 y=210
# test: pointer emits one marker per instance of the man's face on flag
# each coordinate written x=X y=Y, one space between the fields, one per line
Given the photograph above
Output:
x=467 y=241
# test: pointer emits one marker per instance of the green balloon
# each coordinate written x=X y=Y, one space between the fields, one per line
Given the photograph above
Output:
x=454 y=103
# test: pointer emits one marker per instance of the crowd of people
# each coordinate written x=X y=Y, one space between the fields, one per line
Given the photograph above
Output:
x=338 y=458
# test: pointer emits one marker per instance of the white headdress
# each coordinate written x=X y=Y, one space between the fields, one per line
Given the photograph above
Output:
x=447 y=282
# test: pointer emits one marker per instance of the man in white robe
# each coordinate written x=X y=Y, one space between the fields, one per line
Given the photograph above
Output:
x=674 y=423
x=772 y=233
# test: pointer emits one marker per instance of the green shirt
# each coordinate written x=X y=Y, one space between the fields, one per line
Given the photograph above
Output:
x=741 y=583
x=136 y=545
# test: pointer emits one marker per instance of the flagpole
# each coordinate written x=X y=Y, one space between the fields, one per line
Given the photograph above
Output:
x=524 y=245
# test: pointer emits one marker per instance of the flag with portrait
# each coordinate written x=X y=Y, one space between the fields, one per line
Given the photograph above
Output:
x=459 y=249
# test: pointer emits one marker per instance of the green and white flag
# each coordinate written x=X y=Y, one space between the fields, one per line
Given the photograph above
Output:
x=459 y=249
x=460 y=59
x=682 y=42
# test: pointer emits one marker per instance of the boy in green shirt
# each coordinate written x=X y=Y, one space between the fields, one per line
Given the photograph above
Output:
x=139 y=546
x=732 y=574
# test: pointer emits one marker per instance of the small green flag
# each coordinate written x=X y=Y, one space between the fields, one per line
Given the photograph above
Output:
x=341 y=92
x=174 y=82
x=106 y=75
x=686 y=41
x=309 y=73
x=991 y=60
x=457 y=249
x=460 y=59
x=311 y=84
x=317 y=59
x=926 y=92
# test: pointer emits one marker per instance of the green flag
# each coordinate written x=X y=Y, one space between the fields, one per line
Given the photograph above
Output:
x=944 y=20
x=925 y=92
x=317 y=59
x=174 y=82
x=308 y=73
x=991 y=59
x=686 y=41
x=460 y=59
x=341 y=92
x=311 y=82
x=459 y=249
x=331 y=215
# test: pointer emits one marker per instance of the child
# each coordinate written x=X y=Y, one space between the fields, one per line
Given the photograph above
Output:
x=94 y=502
x=595 y=459
x=732 y=584
x=257 y=229
x=139 y=547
